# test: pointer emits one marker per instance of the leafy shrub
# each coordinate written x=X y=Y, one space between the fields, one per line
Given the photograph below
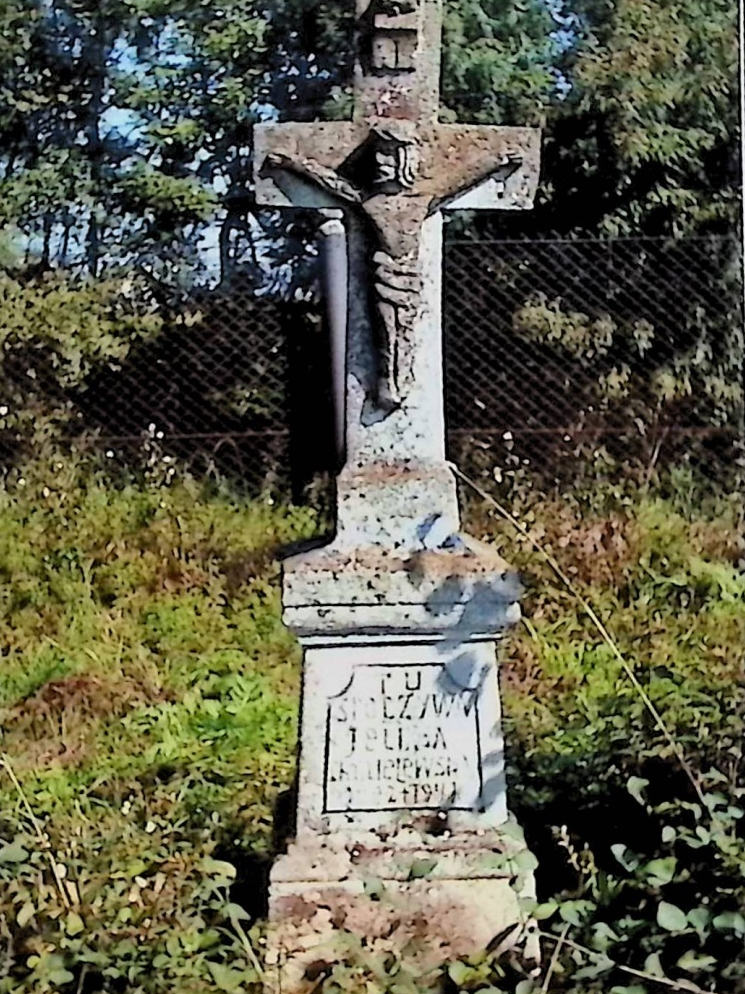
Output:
x=54 y=331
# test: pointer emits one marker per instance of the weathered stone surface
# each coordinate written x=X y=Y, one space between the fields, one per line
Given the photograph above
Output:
x=394 y=357
x=401 y=775
x=436 y=897
x=398 y=71
x=396 y=505
x=393 y=170
x=464 y=590
x=453 y=158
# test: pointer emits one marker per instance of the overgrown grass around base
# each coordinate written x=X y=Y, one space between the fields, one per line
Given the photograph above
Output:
x=148 y=703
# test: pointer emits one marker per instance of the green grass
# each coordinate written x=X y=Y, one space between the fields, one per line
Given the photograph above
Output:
x=148 y=707
x=148 y=702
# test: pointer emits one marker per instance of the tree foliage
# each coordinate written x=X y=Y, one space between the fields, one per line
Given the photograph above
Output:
x=646 y=137
x=126 y=126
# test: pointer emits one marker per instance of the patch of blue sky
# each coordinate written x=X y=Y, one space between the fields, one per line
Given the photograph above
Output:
x=564 y=37
x=208 y=252
x=123 y=123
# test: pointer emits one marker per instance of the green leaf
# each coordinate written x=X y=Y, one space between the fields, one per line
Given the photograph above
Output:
x=699 y=918
x=693 y=962
x=600 y=964
x=227 y=979
x=74 y=924
x=25 y=915
x=659 y=872
x=671 y=918
x=236 y=913
x=60 y=976
x=653 y=965
x=13 y=852
x=459 y=973
x=730 y=921
x=603 y=937
x=625 y=857
x=636 y=786
x=541 y=912
x=525 y=861
x=575 y=912
x=221 y=870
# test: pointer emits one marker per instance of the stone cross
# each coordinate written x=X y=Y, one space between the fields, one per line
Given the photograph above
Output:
x=394 y=169
x=401 y=775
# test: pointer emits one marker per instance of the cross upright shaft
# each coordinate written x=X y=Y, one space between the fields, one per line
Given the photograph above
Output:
x=397 y=69
x=393 y=170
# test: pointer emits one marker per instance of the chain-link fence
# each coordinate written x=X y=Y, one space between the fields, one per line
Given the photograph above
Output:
x=572 y=360
x=223 y=384
x=568 y=361
x=237 y=388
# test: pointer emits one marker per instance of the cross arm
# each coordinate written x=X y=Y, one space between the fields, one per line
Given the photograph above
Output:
x=295 y=164
x=479 y=167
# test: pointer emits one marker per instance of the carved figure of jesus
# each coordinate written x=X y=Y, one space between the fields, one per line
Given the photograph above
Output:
x=385 y=166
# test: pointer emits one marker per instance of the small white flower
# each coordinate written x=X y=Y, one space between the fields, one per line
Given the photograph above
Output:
x=507 y=436
x=3 y=410
x=109 y=453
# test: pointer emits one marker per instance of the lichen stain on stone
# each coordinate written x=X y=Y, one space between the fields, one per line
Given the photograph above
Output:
x=296 y=908
x=397 y=921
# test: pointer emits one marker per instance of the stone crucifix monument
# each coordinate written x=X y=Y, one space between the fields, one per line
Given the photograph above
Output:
x=402 y=820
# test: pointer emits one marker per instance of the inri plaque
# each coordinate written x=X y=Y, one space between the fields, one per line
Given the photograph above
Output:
x=403 y=736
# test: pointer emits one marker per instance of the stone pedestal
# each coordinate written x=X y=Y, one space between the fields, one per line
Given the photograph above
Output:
x=403 y=833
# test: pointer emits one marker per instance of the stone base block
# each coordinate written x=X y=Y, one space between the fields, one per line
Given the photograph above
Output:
x=461 y=588
x=427 y=901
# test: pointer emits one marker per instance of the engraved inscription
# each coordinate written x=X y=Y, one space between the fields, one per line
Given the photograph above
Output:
x=400 y=737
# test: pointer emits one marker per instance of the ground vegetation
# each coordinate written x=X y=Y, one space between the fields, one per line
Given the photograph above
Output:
x=148 y=702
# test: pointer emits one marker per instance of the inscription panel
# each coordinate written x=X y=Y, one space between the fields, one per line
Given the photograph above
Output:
x=403 y=737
